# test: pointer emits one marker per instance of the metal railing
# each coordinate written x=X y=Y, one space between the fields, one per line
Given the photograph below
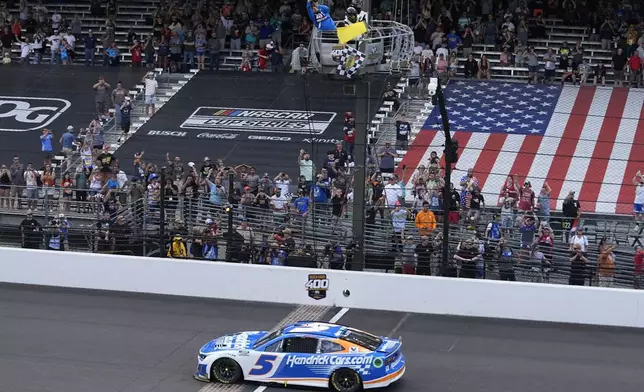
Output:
x=323 y=239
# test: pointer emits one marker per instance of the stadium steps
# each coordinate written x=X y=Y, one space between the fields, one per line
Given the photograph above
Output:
x=169 y=85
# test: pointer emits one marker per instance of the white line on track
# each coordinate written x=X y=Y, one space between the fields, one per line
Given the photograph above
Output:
x=400 y=324
x=304 y=312
x=338 y=315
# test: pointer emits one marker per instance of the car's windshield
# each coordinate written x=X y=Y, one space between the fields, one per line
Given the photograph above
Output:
x=360 y=338
x=267 y=338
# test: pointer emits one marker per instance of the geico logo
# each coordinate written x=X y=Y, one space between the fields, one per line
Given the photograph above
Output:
x=276 y=115
x=217 y=135
x=23 y=112
x=167 y=133
x=273 y=138
x=334 y=360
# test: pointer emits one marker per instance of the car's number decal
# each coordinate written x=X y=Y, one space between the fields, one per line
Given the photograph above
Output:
x=264 y=365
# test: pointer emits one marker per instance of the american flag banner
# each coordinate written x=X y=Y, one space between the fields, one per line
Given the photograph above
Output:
x=350 y=61
x=584 y=139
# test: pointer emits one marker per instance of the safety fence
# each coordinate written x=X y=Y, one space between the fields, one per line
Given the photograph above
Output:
x=323 y=237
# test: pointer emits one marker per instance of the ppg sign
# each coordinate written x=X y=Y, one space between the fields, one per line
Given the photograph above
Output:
x=20 y=114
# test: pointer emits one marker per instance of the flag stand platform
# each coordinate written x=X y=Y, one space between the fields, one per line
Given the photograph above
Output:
x=386 y=47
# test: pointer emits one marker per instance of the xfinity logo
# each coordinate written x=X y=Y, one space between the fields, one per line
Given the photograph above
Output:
x=20 y=114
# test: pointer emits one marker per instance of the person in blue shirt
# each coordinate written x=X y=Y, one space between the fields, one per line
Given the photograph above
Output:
x=46 y=143
x=216 y=193
x=453 y=41
x=90 y=49
x=320 y=197
x=302 y=204
x=320 y=16
x=67 y=141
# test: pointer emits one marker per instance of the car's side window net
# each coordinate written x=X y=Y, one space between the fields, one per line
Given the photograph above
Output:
x=300 y=345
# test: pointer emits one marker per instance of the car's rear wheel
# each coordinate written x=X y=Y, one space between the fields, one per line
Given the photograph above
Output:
x=345 y=380
x=226 y=371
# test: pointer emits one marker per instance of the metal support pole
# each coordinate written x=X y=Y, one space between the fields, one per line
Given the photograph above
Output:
x=360 y=171
x=230 y=212
x=162 y=233
x=448 y=177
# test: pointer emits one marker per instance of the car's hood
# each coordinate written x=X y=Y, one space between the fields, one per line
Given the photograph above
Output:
x=236 y=341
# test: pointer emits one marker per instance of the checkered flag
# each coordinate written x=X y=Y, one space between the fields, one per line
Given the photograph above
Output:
x=350 y=61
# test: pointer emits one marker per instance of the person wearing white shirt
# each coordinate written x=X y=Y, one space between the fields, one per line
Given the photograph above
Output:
x=283 y=182
x=54 y=44
x=25 y=49
x=71 y=39
x=279 y=205
x=56 y=18
x=638 y=206
x=427 y=53
x=306 y=166
x=442 y=50
x=393 y=193
x=151 y=86
x=37 y=47
x=579 y=239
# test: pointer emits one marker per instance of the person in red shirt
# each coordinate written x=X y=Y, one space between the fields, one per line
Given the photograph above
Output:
x=526 y=199
x=136 y=51
x=638 y=271
x=509 y=190
x=546 y=243
x=635 y=70
x=263 y=59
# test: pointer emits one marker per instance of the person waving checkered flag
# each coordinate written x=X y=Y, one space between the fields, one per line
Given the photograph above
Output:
x=350 y=61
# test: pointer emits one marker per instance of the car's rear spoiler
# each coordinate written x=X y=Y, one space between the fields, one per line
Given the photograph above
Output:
x=389 y=345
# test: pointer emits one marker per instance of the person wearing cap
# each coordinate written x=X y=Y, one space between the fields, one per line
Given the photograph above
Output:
x=30 y=232
x=409 y=256
x=126 y=111
x=102 y=89
x=399 y=222
x=54 y=46
x=67 y=141
x=571 y=209
x=151 y=86
x=177 y=248
x=579 y=239
x=71 y=41
x=118 y=97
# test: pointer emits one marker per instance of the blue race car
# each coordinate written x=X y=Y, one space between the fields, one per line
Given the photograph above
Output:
x=306 y=353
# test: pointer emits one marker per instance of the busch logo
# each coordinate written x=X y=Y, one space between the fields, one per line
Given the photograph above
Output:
x=19 y=114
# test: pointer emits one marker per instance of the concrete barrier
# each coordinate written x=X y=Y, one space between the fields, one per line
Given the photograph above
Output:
x=431 y=295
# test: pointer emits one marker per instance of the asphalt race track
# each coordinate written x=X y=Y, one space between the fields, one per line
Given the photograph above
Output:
x=70 y=340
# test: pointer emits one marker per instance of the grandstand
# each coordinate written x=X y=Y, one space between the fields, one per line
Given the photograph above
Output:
x=318 y=235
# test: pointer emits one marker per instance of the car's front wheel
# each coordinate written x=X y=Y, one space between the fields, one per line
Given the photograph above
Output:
x=226 y=371
x=345 y=380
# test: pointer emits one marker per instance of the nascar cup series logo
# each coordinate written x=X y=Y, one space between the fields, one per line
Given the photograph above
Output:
x=259 y=120
x=334 y=360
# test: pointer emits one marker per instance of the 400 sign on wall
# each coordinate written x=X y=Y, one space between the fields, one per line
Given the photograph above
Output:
x=317 y=285
x=259 y=120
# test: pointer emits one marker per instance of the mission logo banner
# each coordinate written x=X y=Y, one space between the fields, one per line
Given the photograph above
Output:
x=259 y=120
